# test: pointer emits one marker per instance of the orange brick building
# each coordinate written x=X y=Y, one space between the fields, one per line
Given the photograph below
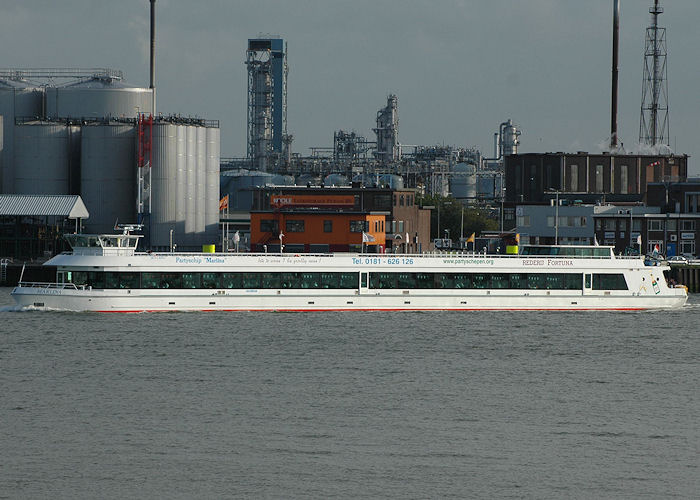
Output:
x=319 y=220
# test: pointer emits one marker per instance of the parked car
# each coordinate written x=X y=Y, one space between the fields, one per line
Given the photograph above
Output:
x=677 y=259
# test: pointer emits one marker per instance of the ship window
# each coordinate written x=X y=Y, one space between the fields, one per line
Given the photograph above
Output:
x=78 y=277
x=329 y=280
x=269 y=280
x=250 y=280
x=348 y=280
x=609 y=282
x=383 y=280
x=129 y=280
x=210 y=280
x=424 y=280
x=231 y=280
x=481 y=281
x=290 y=280
x=149 y=280
x=96 y=280
x=536 y=281
x=111 y=280
x=500 y=281
x=191 y=280
x=170 y=280
x=518 y=281
x=310 y=280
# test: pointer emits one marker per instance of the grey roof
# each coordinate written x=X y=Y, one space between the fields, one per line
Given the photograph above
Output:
x=71 y=206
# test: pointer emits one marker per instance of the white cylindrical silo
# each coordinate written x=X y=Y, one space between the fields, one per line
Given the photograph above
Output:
x=18 y=100
x=463 y=181
x=191 y=185
x=108 y=175
x=164 y=199
x=201 y=179
x=42 y=158
x=212 y=188
x=181 y=165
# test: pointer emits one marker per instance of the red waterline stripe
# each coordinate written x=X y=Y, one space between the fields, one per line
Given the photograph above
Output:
x=381 y=309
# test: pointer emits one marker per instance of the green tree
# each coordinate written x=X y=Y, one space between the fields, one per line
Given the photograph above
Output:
x=450 y=212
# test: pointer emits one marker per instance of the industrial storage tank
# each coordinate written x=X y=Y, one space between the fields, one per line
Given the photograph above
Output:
x=166 y=182
x=46 y=159
x=108 y=175
x=184 y=185
x=96 y=98
x=18 y=100
x=463 y=181
x=335 y=180
x=307 y=180
x=238 y=185
x=211 y=222
x=281 y=180
x=390 y=180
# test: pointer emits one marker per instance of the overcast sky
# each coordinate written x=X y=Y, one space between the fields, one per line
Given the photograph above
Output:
x=458 y=67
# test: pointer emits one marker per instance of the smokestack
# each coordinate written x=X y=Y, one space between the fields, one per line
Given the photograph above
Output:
x=153 y=57
x=616 y=47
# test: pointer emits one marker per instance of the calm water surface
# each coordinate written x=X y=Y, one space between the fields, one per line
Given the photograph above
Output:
x=350 y=405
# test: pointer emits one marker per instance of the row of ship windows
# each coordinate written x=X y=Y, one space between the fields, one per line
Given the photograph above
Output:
x=337 y=280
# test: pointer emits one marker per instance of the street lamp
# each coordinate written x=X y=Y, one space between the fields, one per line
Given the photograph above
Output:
x=281 y=246
x=438 y=221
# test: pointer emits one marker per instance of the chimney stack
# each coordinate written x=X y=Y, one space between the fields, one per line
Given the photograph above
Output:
x=615 y=50
x=153 y=57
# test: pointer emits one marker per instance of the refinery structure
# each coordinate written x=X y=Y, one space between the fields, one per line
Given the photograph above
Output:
x=352 y=159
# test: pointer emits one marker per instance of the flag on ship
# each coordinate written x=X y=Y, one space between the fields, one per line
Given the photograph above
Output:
x=471 y=238
x=367 y=238
x=236 y=237
x=639 y=241
x=595 y=241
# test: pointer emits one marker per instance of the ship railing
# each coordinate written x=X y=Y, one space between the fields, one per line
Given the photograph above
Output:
x=412 y=255
x=58 y=286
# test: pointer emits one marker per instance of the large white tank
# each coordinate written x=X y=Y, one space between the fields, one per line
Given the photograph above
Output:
x=108 y=175
x=164 y=187
x=201 y=179
x=191 y=182
x=184 y=186
x=17 y=100
x=97 y=98
x=463 y=181
x=43 y=162
x=213 y=193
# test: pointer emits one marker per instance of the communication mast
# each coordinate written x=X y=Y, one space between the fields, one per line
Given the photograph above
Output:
x=653 y=123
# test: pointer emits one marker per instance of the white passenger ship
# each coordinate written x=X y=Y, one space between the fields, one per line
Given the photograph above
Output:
x=105 y=273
